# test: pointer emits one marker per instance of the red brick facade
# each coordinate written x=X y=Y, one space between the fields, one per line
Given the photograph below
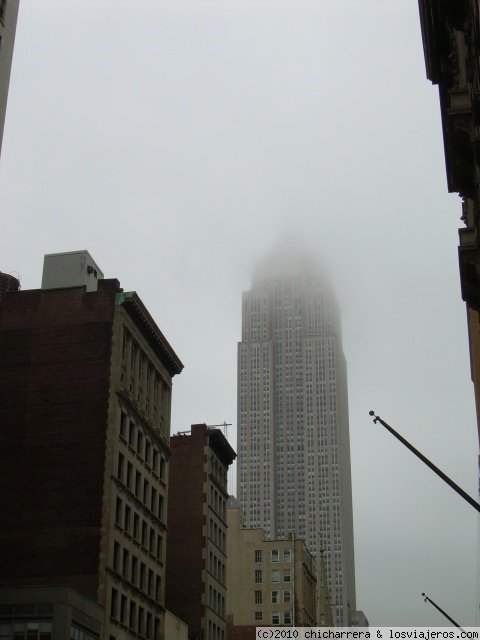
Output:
x=55 y=350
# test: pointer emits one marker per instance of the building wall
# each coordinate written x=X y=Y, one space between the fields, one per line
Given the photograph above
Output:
x=54 y=378
x=175 y=629
x=293 y=470
x=451 y=43
x=56 y=613
x=196 y=550
x=86 y=379
x=132 y=563
x=8 y=25
x=270 y=582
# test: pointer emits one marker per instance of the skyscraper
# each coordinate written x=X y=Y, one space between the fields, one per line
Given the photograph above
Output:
x=8 y=24
x=293 y=437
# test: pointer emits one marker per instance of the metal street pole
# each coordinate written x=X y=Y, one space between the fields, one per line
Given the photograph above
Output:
x=427 y=599
x=430 y=464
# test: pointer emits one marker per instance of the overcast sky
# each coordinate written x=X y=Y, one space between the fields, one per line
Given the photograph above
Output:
x=178 y=141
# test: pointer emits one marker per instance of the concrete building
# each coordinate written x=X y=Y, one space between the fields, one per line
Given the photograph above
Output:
x=49 y=613
x=175 y=629
x=8 y=26
x=359 y=619
x=270 y=582
x=451 y=42
x=85 y=383
x=293 y=472
x=197 y=530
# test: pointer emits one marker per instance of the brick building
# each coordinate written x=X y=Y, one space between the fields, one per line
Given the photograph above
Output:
x=197 y=530
x=85 y=392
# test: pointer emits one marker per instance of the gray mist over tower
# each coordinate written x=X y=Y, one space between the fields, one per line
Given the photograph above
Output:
x=293 y=446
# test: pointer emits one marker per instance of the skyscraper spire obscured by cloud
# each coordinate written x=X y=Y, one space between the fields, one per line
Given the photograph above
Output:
x=293 y=435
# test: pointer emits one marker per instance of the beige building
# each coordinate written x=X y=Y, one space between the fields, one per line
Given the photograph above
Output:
x=175 y=629
x=270 y=582
x=8 y=25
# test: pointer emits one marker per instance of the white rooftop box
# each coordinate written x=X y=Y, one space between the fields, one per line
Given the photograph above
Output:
x=70 y=269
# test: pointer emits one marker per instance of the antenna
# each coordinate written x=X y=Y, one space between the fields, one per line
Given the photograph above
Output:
x=223 y=426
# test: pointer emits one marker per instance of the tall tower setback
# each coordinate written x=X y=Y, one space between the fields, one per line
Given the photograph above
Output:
x=8 y=25
x=293 y=470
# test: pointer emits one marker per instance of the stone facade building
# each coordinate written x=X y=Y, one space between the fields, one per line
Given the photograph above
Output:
x=270 y=582
x=451 y=42
x=85 y=383
x=197 y=530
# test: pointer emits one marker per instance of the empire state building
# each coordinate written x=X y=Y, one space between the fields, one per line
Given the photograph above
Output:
x=293 y=436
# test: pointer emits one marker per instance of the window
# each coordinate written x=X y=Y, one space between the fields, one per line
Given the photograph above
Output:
x=116 y=551
x=113 y=604
x=275 y=618
x=148 y=452
x=134 y=570
x=275 y=576
x=274 y=555
x=138 y=479
x=132 y=620
x=150 y=582
x=121 y=461
x=286 y=575
x=118 y=511
x=125 y=562
x=275 y=597
x=140 y=443
x=123 y=425
x=258 y=615
x=258 y=576
x=123 y=608
x=258 y=597
x=287 y=617
x=287 y=555
x=128 y=512
x=258 y=555
x=286 y=596
x=131 y=434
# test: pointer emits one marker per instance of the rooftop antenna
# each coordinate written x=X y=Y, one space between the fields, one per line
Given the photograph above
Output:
x=427 y=599
x=222 y=426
